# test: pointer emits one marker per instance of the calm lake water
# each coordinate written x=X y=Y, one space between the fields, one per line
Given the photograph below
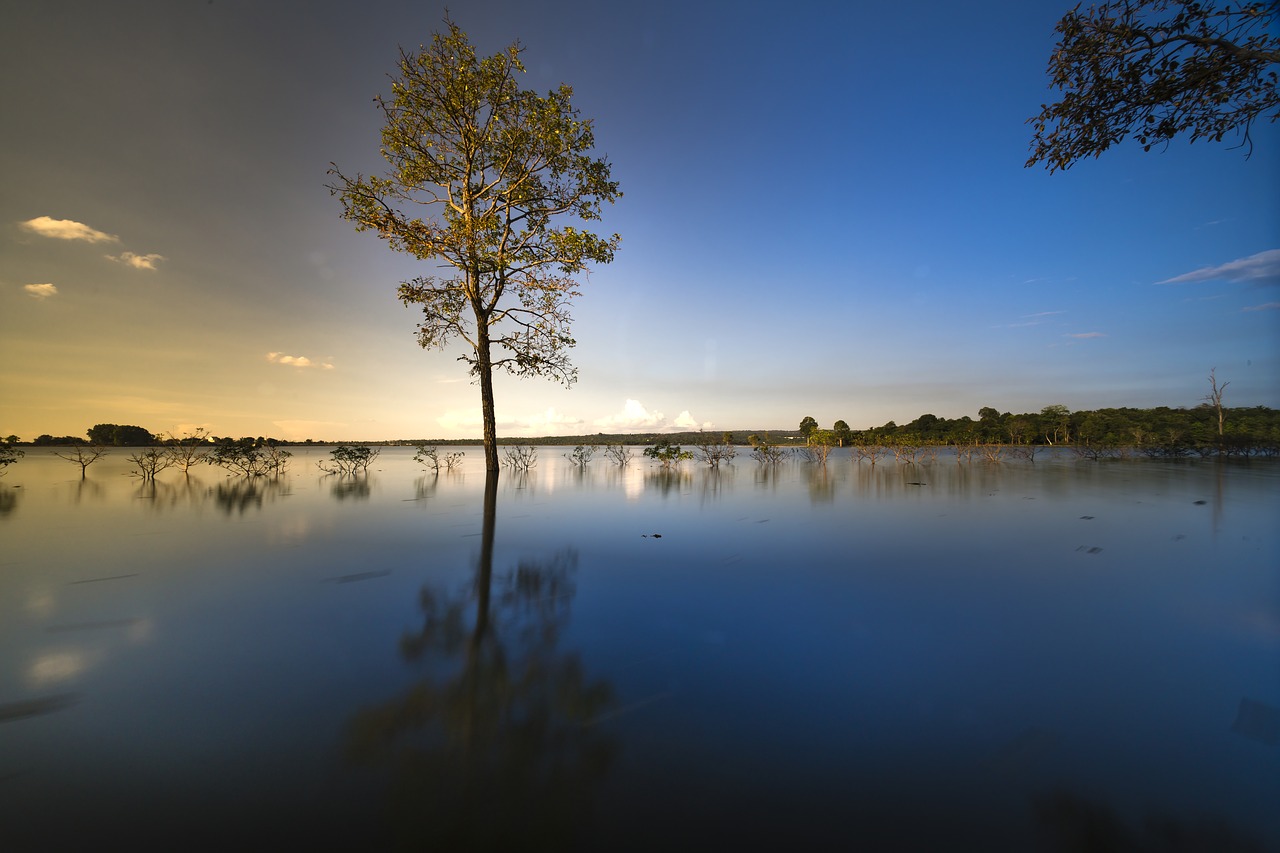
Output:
x=982 y=656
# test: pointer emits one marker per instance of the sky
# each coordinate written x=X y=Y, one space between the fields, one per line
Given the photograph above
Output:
x=825 y=213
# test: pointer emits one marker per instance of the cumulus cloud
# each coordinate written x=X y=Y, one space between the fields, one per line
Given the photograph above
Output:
x=632 y=416
x=549 y=422
x=1262 y=268
x=1267 y=306
x=66 y=229
x=1085 y=335
x=684 y=420
x=41 y=291
x=297 y=361
x=138 y=262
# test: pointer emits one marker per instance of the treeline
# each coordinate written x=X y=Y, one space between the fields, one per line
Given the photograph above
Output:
x=1202 y=426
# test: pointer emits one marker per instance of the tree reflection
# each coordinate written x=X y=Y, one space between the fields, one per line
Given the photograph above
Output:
x=238 y=494
x=8 y=501
x=500 y=751
x=354 y=486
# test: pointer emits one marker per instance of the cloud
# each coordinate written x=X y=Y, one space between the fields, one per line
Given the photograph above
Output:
x=684 y=420
x=297 y=361
x=1084 y=335
x=41 y=291
x=1268 y=306
x=1262 y=268
x=139 y=262
x=66 y=229
x=632 y=416
x=549 y=422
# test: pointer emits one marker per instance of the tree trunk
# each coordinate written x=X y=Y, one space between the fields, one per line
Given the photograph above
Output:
x=484 y=365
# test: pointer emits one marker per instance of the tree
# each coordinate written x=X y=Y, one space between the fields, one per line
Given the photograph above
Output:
x=807 y=426
x=1056 y=418
x=483 y=176
x=1215 y=398
x=670 y=455
x=8 y=453
x=189 y=450
x=83 y=456
x=118 y=435
x=843 y=434
x=1157 y=69
x=348 y=461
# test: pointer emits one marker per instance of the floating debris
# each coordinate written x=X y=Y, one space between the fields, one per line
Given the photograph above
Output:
x=110 y=578
x=1090 y=549
x=1086 y=518
x=651 y=535
x=360 y=576
x=1200 y=503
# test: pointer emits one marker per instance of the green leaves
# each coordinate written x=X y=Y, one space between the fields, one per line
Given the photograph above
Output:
x=1134 y=67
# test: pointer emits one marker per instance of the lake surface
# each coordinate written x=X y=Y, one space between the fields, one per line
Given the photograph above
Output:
x=979 y=656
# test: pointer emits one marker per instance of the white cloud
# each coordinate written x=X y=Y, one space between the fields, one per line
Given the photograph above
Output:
x=1268 y=306
x=297 y=361
x=549 y=422
x=632 y=416
x=1262 y=268
x=684 y=420
x=66 y=229
x=41 y=291
x=139 y=262
x=1083 y=335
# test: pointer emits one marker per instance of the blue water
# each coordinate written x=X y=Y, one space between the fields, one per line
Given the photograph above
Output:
x=946 y=656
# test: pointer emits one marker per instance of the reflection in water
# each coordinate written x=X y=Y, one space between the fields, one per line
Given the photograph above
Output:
x=500 y=750
x=426 y=486
x=1072 y=823
x=822 y=486
x=237 y=494
x=161 y=495
x=354 y=486
x=666 y=480
x=8 y=501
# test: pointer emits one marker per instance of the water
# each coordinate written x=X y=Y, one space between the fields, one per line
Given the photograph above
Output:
x=981 y=656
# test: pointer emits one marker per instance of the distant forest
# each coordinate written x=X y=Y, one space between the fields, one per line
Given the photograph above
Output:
x=1203 y=427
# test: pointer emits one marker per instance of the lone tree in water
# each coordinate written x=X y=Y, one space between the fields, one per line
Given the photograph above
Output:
x=1157 y=69
x=487 y=178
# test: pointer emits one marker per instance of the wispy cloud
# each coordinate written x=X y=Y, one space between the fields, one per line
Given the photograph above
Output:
x=140 y=262
x=41 y=291
x=1262 y=268
x=297 y=361
x=66 y=229
x=1025 y=320
x=1086 y=335
x=1267 y=306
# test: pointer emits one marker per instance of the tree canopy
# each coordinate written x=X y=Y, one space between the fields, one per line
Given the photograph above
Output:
x=1157 y=69
x=490 y=179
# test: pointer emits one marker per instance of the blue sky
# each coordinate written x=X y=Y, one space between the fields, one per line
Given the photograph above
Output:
x=825 y=213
